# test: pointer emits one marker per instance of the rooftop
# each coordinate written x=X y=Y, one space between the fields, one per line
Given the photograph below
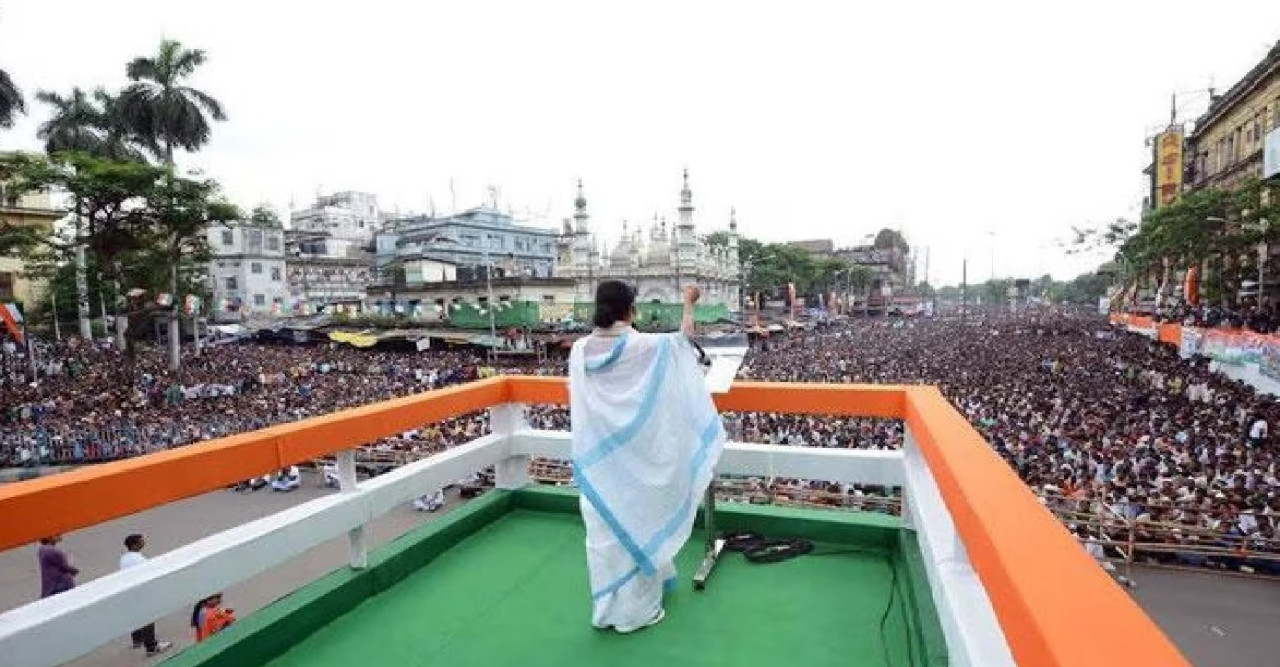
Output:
x=500 y=582
x=1008 y=583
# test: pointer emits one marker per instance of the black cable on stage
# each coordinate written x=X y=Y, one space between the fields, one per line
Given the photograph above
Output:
x=758 y=549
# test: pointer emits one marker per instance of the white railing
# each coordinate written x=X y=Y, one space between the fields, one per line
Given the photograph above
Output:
x=61 y=628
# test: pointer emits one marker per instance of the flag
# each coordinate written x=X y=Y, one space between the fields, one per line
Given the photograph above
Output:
x=191 y=304
x=164 y=299
x=12 y=317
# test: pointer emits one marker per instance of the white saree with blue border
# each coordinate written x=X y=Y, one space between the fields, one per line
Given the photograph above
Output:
x=646 y=437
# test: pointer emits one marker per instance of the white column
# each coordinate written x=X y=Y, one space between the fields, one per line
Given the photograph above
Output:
x=505 y=420
x=357 y=548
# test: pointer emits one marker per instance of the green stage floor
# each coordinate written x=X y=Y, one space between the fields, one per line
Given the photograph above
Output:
x=515 y=592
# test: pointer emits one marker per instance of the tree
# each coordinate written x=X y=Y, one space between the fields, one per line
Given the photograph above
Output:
x=183 y=210
x=11 y=103
x=73 y=125
x=159 y=107
x=264 y=216
x=167 y=114
x=888 y=239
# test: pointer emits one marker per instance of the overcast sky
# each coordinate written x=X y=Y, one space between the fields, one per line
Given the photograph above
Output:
x=949 y=120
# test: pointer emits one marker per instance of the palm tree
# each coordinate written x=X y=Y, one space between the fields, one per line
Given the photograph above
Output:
x=119 y=141
x=168 y=115
x=73 y=125
x=158 y=107
x=11 y=103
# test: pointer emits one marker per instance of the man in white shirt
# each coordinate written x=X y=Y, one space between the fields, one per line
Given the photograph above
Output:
x=1258 y=432
x=142 y=637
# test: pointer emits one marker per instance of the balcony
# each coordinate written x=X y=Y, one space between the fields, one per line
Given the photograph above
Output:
x=975 y=572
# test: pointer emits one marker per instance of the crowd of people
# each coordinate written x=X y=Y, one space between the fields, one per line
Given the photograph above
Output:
x=87 y=405
x=1099 y=423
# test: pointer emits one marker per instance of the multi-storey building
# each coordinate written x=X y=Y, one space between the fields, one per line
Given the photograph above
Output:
x=479 y=237
x=33 y=211
x=246 y=271
x=342 y=224
x=1226 y=145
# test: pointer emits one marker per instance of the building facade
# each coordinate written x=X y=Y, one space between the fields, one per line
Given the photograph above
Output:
x=521 y=301
x=892 y=272
x=1227 y=143
x=658 y=262
x=479 y=237
x=32 y=211
x=339 y=225
x=247 y=271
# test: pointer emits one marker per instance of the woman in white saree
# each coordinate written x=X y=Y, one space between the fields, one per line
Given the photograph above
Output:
x=646 y=436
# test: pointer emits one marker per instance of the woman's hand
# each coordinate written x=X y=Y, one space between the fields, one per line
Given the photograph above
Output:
x=691 y=294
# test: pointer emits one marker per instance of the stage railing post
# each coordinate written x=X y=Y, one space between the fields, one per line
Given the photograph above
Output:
x=506 y=420
x=357 y=547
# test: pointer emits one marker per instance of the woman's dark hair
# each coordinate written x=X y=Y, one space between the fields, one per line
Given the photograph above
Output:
x=195 y=612
x=614 y=303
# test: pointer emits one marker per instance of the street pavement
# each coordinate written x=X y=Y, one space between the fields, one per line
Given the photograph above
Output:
x=96 y=551
x=1217 y=620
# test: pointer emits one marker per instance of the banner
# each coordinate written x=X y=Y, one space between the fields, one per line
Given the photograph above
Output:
x=423 y=344
x=1191 y=341
x=1270 y=363
x=1168 y=167
x=1233 y=347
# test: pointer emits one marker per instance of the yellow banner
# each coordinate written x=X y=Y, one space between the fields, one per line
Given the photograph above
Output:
x=1168 y=167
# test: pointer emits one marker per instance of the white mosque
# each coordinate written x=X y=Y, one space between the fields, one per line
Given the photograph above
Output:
x=659 y=266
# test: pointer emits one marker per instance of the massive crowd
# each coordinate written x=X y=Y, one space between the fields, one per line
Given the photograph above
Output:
x=1109 y=425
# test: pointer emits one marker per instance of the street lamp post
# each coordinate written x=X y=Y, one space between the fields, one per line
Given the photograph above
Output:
x=488 y=284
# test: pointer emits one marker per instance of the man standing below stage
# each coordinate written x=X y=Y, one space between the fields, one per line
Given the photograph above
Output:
x=56 y=574
x=646 y=437
x=144 y=636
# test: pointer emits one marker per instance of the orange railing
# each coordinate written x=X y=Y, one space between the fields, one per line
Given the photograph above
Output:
x=1054 y=604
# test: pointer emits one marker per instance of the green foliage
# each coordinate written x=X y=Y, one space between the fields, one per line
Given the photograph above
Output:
x=1208 y=226
x=135 y=219
x=11 y=103
x=889 y=238
x=265 y=216
x=159 y=106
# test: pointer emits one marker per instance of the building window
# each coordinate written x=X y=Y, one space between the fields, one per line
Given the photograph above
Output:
x=255 y=267
x=230 y=283
x=275 y=274
x=273 y=243
x=259 y=300
x=228 y=237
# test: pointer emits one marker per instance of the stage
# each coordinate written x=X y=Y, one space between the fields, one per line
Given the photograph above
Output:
x=502 y=581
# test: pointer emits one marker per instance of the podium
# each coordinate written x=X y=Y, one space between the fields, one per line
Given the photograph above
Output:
x=726 y=354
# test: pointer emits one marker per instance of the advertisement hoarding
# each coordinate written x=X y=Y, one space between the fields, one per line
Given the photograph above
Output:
x=1168 y=167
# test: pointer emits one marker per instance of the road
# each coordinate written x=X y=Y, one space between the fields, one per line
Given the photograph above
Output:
x=96 y=551
x=1217 y=621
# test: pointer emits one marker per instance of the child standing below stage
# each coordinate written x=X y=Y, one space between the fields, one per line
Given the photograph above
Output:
x=209 y=617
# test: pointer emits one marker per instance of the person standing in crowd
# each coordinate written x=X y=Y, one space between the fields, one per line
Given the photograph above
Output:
x=144 y=637
x=56 y=573
x=209 y=617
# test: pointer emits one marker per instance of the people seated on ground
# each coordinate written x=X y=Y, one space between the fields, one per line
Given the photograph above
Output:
x=209 y=617
x=287 y=480
x=431 y=502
